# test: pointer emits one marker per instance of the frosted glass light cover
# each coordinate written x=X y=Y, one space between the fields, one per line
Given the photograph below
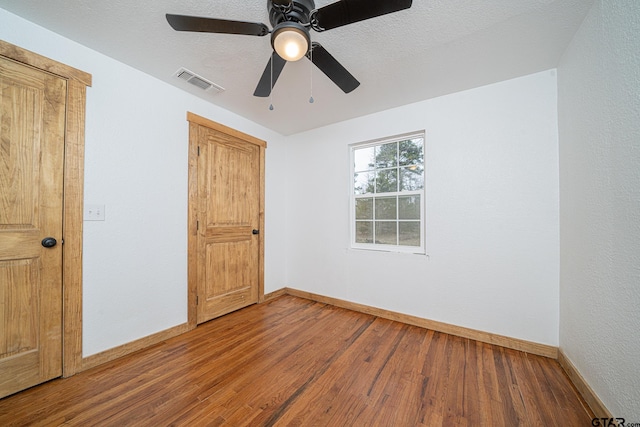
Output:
x=291 y=44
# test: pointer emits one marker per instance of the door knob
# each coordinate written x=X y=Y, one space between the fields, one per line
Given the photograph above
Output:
x=255 y=231
x=49 y=242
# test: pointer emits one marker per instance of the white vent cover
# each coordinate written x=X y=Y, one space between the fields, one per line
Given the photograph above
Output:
x=197 y=81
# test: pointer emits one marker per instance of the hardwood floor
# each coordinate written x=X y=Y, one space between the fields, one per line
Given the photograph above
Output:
x=292 y=361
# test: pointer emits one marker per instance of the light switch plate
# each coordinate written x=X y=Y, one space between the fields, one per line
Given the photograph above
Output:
x=94 y=212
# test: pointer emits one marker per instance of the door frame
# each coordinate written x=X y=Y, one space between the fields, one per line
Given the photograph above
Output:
x=192 y=260
x=73 y=188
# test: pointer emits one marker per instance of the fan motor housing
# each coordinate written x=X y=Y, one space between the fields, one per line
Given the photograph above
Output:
x=298 y=12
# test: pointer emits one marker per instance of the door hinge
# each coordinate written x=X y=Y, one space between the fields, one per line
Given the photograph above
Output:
x=198 y=150
x=197 y=225
x=197 y=300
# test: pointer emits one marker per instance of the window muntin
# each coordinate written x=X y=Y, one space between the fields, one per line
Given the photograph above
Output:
x=387 y=194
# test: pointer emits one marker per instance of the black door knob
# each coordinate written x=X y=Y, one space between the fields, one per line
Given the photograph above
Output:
x=49 y=242
x=255 y=231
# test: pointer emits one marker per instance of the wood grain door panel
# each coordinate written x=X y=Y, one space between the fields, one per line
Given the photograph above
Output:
x=32 y=129
x=229 y=209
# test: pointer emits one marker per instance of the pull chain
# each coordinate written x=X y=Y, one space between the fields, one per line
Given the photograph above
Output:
x=271 y=90
x=311 y=100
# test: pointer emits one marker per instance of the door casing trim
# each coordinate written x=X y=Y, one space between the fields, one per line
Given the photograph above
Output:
x=195 y=121
x=73 y=188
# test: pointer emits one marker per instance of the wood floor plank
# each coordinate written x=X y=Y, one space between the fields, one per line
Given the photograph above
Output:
x=291 y=361
x=353 y=375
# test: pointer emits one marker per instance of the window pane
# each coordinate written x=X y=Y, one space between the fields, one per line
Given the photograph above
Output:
x=411 y=178
x=409 y=233
x=387 y=155
x=364 y=232
x=386 y=233
x=386 y=208
x=364 y=208
x=387 y=181
x=409 y=207
x=363 y=183
x=411 y=152
x=364 y=159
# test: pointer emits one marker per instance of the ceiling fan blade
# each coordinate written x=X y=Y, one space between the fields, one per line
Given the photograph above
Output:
x=332 y=68
x=267 y=81
x=346 y=12
x=213 y=25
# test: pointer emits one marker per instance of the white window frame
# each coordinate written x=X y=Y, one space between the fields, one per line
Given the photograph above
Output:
x=353 y=197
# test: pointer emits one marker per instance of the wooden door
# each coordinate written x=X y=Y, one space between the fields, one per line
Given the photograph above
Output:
x=32 y=132
x=229 y=219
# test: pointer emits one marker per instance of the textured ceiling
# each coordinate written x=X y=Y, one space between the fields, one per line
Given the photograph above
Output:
x=435 y=48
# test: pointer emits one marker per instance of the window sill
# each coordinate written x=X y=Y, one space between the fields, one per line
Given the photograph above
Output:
x=387 y=251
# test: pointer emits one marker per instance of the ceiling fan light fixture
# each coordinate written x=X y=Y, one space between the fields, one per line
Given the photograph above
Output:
x=290 y=40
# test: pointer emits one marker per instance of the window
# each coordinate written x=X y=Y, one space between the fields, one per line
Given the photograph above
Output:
x=387 y=194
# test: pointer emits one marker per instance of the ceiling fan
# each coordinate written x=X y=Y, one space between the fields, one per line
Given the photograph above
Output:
x=290 y=39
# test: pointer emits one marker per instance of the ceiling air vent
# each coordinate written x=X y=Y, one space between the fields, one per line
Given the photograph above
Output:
x=197 y=81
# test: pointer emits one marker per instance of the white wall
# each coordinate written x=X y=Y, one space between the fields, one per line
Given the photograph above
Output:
x=599 y=124
x=492 y=212
x=135 y=262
